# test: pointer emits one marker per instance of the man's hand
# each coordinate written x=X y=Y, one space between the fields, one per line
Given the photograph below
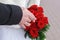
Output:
x=26 y=18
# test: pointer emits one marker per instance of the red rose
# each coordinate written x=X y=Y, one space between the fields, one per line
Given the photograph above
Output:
x=33 y=33
x=41 y=25
x=39 y=16
x=40 y=9
x=27 y=28
x=45 y=20
x=33 y=7
x=31 y=10
x=32 y=26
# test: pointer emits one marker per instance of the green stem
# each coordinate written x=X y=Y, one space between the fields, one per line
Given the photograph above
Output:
x=37 y=38
x=32 y=39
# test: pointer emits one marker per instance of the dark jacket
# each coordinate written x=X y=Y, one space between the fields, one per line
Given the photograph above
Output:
x=10 y=14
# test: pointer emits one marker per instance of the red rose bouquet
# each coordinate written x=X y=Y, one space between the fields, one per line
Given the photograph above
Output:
x=37 y=29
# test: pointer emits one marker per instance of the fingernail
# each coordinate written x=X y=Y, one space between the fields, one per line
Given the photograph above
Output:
x=33 y=20
x=29 y=24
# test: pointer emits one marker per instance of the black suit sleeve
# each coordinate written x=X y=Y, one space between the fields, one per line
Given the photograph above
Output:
x=10 y=14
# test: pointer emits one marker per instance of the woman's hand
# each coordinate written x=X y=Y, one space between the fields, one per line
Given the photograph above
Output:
x=26 y=18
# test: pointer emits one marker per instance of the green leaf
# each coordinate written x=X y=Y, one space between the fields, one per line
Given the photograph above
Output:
x=46 y=28
x=41 y=33
x=38 y=38
x=33 y=39
x=42 y=36
x=30 y=36
x=26 y=34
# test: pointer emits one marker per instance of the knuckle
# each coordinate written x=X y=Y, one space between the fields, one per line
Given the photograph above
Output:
x=29 y=20
x=27 y=24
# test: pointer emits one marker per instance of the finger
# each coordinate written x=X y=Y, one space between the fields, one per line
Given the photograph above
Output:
x=23 y=26
x=32 y=17
x=27 y=24
x=28 y=20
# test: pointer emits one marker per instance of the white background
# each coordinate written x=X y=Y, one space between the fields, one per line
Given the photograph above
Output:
x=52 y=10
